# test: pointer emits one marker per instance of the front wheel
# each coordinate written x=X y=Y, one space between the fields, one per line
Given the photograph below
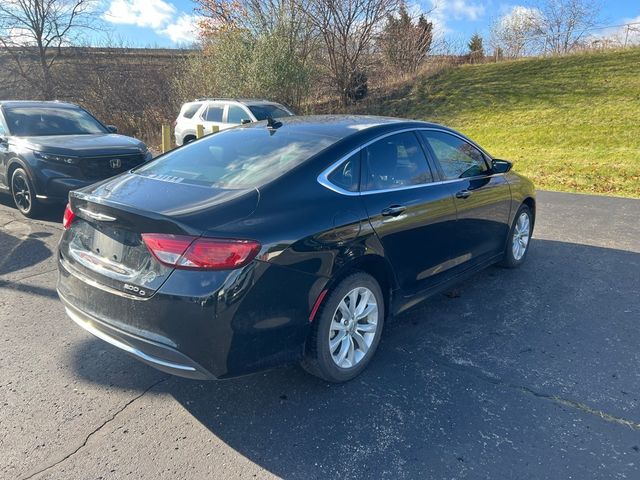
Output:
x=347 y=329
x=23 y=193
x=519 y=239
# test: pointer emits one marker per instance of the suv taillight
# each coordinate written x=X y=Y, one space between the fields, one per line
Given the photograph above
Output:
x=198 y=253
x=68 y=217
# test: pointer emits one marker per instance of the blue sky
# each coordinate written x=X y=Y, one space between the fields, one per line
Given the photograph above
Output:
x=170 y=23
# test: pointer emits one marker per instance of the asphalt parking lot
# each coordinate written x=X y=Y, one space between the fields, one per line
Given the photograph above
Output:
x=528 y=373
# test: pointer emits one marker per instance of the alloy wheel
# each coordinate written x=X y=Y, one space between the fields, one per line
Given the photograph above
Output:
x=353 y=327
x=21 y=192
x=521 y=234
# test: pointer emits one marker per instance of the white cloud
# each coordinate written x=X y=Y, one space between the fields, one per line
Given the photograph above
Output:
x=440 y=12
x=464 y=9
x=183 y=30
x=142 y=13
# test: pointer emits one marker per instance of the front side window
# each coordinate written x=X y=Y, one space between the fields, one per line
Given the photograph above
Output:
x=214 y=113
x=51 y=120
x=394 y=162
x=237 y=158
x=347 y=175
x=458 y=159
x=2 y=130
x=236 y=114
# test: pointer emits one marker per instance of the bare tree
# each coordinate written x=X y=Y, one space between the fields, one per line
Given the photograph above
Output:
x=564 y=23
x=516 y=32
x=32 y=33
x=348 y=28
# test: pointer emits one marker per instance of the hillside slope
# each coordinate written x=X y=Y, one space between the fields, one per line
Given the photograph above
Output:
x=570 y=123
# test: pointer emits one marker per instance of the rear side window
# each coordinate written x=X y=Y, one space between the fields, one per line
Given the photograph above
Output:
x=394 y=162
x=214 y=113
x=236 y=114
x=347 y=175
x=191 y=110
x=457 y=158
x=237 y=158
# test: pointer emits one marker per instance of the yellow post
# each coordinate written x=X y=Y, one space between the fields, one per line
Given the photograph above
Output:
x=199 y=131
x=215 y=129
x=166 y=138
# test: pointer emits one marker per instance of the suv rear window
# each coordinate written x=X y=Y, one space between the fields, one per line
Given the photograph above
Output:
x=191 y=110
x=237 y=158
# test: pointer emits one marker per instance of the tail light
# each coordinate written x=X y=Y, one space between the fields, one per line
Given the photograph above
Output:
x=197 y=253
x=68 y=217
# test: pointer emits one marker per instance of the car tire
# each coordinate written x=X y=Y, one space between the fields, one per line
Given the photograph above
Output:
x=23 y=193
x=340 y=347
x=519 y=239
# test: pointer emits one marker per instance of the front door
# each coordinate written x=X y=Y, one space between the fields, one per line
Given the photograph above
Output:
x=483 y=199
x=413 y=217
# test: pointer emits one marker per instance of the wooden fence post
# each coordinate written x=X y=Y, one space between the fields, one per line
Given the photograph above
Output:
x=166 y=138
x=215 y=129
x=199 y=131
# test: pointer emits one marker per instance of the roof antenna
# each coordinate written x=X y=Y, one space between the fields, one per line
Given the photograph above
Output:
x=273 y=124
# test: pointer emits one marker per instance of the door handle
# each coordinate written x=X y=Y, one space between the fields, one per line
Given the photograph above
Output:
x=463 y=194
x=393 y=210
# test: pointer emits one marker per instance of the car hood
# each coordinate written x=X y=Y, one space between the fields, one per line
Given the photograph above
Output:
x=83 y=145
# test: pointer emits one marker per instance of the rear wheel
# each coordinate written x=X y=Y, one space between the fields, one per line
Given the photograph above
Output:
x=519 y=239
x=23 y=193
x=347 y=329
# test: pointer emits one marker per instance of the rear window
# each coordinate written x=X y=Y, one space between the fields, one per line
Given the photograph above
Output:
x=237 y=158
x=190 y=110
x=261 y=112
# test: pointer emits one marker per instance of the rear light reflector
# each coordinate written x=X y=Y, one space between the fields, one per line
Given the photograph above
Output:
x=198 y=253
x=68 y=217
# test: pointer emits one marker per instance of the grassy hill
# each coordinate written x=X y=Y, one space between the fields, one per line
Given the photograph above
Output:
x=570 y=123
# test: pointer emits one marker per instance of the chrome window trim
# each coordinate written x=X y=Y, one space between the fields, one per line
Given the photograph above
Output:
x=323 y=178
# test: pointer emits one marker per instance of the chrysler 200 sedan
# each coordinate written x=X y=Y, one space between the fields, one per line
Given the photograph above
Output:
x=49 y=148
x=283 y=241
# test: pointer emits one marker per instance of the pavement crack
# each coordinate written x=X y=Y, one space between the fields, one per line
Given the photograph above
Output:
x=472 y=370
x=96 y=430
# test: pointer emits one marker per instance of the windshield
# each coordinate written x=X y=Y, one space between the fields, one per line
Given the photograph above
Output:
x=237 y=158
x=41 y=121
x=261 y=112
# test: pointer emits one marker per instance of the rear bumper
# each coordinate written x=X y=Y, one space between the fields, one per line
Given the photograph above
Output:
x=152 y=353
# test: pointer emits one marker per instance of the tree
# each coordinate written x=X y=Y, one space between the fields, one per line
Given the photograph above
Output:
x=516 y=33
x=348 y=28
x=406 y=42
x=564 y=23
x=476 y=49
x=32 y=33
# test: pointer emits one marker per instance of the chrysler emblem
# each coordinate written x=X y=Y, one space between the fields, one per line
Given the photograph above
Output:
x=115 y=163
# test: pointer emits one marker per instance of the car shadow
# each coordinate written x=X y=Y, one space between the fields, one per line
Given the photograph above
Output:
x=50 y=212
x=19 y=253
x=426 y=407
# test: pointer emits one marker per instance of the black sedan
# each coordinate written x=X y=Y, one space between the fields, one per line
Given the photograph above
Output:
x=50 y=148
x=283 y=241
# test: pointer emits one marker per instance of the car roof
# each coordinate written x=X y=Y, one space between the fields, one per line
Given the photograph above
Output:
x=36 y=103
x=341 y=126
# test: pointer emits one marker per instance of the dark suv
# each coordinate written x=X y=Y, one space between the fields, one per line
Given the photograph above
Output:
x=50 y=148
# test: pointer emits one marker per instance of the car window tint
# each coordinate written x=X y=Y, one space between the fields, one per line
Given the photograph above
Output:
x=261 y=112
x=236 y=115
x=395 y=162
x=191 y=110
x=347 y=174
x=458 y=159
x=214 y=113
x=237 y=158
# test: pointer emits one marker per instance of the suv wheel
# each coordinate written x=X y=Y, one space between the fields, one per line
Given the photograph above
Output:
x=23 y=193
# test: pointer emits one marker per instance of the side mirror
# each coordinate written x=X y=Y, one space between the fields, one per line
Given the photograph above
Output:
x=244 y=121
x=112 y=128
x=4 y=141
x=501 y=166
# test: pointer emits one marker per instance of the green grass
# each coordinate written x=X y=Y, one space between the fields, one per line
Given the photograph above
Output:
x=569 y=123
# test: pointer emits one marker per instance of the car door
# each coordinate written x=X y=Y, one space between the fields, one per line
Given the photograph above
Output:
x=236 y=114
x=214 y=115
x=413 y=217
x=483 y=199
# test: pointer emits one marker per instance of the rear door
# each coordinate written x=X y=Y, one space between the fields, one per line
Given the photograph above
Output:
x=483 y=200
x=214 y=115
x=413 y=216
